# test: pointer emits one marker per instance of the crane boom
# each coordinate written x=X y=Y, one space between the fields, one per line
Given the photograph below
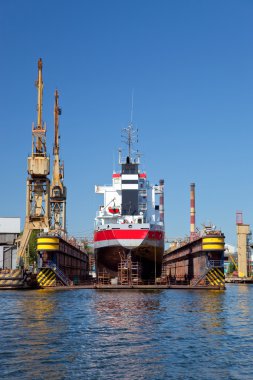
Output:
x=57 y=112
x=39 y=132
x=58 y=169
x=58 y=190
x=39 y=85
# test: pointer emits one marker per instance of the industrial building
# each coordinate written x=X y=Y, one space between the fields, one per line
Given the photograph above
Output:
x=9 y=231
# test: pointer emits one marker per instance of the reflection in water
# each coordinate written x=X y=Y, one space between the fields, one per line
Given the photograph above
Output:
x=128 y=343
x=33 y=335
x=88 y=334
x=123 y=311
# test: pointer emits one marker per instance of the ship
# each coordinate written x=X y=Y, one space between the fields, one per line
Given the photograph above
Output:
x=129 y=226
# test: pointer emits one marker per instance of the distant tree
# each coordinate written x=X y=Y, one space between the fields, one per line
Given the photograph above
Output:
x=231 y=267
x=86 y=245
x=33 y=246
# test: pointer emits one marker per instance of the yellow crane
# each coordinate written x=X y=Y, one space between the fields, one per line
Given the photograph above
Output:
x=37 y=184
x=58 y=192
x=233 y=261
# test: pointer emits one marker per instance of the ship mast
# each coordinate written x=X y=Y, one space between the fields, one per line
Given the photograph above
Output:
x=57 y=189
x=129 y=137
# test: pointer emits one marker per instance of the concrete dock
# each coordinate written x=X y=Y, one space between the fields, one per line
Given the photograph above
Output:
x=134 y=287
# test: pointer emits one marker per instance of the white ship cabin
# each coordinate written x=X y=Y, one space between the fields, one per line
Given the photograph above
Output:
x=130 y=199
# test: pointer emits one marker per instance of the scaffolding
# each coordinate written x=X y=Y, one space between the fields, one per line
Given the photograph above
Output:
x=104 y=278
x=129 y=272
x=91 y=257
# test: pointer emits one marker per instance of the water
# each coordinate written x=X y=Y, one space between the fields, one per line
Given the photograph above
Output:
x=88 y=334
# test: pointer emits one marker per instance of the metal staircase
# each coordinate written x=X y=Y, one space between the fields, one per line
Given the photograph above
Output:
x=59 y=273
x=212 y=273
x=199 y=278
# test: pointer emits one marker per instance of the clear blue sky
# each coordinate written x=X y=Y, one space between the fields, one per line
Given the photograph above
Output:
x=191 y=66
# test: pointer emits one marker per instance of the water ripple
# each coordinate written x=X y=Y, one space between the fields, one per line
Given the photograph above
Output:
x=88 y=334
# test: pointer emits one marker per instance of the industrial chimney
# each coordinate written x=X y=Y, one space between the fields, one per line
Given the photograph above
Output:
x=161 y=200
x=192 y=211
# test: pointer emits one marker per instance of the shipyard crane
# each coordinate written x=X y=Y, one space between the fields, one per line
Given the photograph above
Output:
x=58 y=191
x=37 y=184
x=233 y=261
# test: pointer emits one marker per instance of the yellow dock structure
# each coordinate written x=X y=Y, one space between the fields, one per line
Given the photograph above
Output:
x=60 y=262
x=197 y=262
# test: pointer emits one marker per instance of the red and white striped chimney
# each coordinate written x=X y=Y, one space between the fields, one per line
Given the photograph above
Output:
x=161 y=200
x=192 y=211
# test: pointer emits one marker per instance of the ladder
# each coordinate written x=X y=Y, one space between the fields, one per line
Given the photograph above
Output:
x=212 y=266
x=60 y=274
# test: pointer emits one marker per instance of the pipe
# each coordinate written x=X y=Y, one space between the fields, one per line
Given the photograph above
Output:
x=192 y=211
x=161 y=200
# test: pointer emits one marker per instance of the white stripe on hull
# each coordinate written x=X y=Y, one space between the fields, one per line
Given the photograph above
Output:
x=127 y=243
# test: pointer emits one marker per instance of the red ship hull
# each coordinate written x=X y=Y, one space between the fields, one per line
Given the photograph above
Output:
x=116 y=243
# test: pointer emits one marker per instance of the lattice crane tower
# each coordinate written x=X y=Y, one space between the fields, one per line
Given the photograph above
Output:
x=58 y=192
x=37 y=184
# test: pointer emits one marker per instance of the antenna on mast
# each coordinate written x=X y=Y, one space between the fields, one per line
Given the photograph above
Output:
x=129 y=136
x=132 y=107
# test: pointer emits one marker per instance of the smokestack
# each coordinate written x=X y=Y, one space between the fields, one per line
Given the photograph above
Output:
x=161 y=200
x=239 y=219
x=192 y=211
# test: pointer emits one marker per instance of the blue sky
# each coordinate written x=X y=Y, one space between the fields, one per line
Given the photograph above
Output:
x=190 y=64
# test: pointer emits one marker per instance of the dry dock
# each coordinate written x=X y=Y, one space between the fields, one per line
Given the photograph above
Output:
x=199 y=262
x=129 y=235
x=135 y=287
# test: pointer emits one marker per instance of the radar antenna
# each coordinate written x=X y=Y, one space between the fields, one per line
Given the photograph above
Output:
x=132 y=108
x=129 y=136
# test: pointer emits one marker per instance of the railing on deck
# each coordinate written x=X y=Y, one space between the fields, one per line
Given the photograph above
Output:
x=215 y=263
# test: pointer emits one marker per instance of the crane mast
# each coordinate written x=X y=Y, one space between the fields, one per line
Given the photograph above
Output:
x=39 y=85
x=39 y=131
x=57 y=190
x=37 y=184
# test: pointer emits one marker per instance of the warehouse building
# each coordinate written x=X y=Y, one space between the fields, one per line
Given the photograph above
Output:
x=9 y=231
